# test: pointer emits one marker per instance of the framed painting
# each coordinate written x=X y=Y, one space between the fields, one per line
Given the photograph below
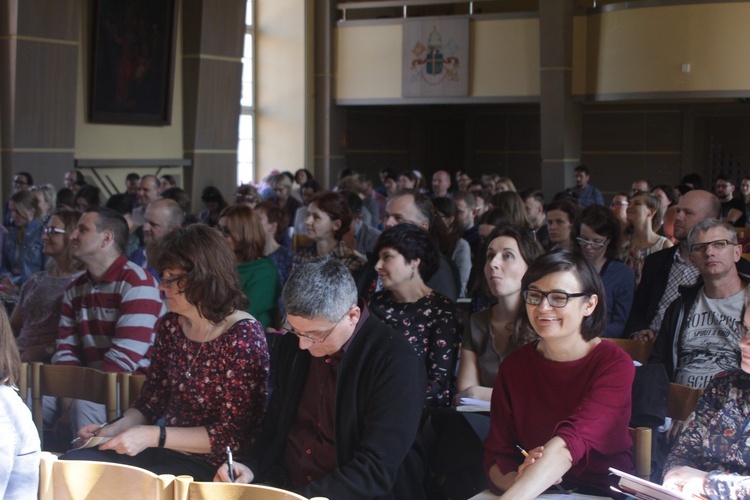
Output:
x=132 y=64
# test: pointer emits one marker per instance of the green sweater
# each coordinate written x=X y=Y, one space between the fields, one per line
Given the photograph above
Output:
x=259 y=281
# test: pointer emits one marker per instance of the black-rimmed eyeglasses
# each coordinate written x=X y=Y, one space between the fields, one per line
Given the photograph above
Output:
x=534 y=297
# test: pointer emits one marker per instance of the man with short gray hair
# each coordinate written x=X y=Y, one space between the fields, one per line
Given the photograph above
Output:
x=699 y=337
x=346 y=409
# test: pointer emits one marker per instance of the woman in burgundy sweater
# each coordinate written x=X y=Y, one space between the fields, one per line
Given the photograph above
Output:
x=566 y=398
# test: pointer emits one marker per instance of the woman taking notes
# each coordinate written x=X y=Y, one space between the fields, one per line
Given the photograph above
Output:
x=207 y=385
x=565 y=398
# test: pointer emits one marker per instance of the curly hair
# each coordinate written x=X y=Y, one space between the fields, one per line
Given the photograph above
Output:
x=210 y=283
x=412 y=242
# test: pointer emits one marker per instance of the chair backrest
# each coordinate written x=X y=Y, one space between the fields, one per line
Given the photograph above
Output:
x=641 y=437
x=76 y=479
x=230 y=491
x=639 y=350
x=75 y=382
x=682 y=400
x=23 y=383
x=130 y=389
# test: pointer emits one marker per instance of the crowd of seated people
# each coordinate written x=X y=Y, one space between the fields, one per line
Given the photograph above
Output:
x=392 y=304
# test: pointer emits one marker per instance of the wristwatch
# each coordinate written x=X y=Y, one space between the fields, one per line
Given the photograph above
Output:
x=162 y=434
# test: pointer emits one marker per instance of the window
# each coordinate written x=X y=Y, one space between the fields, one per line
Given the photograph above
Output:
x=246 y=141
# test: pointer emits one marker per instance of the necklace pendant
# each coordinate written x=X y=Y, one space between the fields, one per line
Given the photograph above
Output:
x=187 y=374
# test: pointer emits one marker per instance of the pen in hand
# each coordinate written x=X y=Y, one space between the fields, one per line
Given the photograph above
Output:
x=105 y=424
x=230 y=464
x=524 y=452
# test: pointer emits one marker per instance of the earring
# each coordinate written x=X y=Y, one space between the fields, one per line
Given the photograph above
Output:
x=412 y=273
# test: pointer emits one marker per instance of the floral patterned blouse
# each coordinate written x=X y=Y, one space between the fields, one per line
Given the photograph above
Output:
x=225 y=391
x=430 y=325
x=716 y=437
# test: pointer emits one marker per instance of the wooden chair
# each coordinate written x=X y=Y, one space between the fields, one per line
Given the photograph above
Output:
x=682 y=400
x=639 y=350
x=71 y=382
x=641 y=437
x=229 y=491
x=130 y=389
x=23 y=383
x=77 y=479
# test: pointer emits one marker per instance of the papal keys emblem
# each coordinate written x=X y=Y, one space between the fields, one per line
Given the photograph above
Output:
x=436 y=62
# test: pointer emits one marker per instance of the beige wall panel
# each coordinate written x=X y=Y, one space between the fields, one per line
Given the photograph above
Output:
x=95 y=140
x=281 y=92
x=505 y=58
x=642 y=50
x=368 y=61
x=580 y=24
x=44 y=114
x=50 y=19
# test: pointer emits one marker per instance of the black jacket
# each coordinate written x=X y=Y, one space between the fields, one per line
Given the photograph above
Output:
x=665 y=345
x=653 y=283
x=378 y=406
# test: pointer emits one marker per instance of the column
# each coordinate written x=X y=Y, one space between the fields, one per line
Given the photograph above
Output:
x=560 y=116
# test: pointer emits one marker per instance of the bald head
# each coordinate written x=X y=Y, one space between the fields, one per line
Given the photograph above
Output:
x=694 y=206
x=441 y=182
x=161 y=217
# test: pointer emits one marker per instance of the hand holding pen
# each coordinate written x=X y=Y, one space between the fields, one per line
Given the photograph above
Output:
x=530 y=458
x=78 y=440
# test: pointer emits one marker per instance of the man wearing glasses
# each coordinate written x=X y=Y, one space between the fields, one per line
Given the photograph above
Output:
x=699 y=337
x=347 y=402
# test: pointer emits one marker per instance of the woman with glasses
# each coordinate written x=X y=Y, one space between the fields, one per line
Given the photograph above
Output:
x=709 y=459
x=207 y=385
x=408 y=257
x=565 y=398
x=22 y=246
x=259 y=280
x=329 y=218
x=598 y=239
x=37 y=313
x=644 y=219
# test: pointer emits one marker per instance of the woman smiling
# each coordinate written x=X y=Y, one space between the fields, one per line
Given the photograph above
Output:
x=565 y=398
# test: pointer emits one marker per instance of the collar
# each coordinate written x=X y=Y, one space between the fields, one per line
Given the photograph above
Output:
x=112 y=273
